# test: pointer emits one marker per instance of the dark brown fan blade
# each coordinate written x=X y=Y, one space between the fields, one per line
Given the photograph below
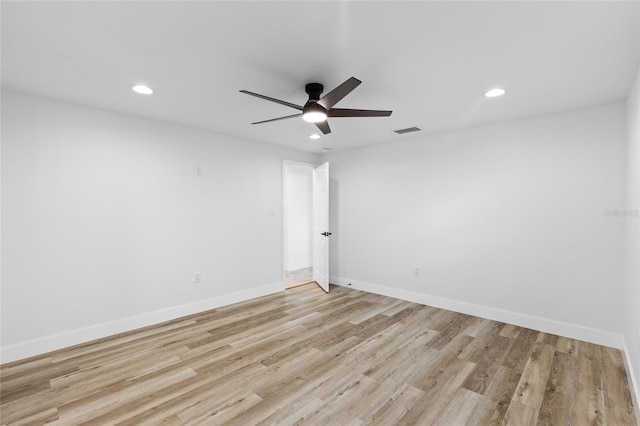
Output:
x=278 y=101
x=279 y=118
x=334 y=96
x=341 y=112
x=324 y=127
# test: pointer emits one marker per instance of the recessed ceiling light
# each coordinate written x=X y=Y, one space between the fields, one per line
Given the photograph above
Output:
x=494 y=93
x=142 y=89
x=314 y=136
x=326 y=149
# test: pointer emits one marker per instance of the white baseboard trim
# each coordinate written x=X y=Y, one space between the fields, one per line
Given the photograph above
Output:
x=62 y=340
x=298 y=265
x=574 y=331
x=631 y=377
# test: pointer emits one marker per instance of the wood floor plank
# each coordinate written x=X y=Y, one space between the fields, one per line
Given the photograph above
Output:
x=437 y=368
x=521 y=414
x=443 y=385
x=549 y=339
x=567 y=346
x=296 y=413
x=500 y=392
x=532 y=385
x=47 y=416
x=357 y=360
x=617 y=395
x=401 y=305
x=395 y=365
x=487 y=413
x=460 y=409
x=555 y=409
x=156 y=409
x=557 y=403
x=485 y=338
x=27 y=366
x=487 y=365
x=201 y=414
x=347 y=396
x=113 y=397
x=454 y=328
x=385 y=393
x=510 y=331
x=589 y=397
x=521 y=349
x=123 y=343
x=307 y=357
x=396 y=406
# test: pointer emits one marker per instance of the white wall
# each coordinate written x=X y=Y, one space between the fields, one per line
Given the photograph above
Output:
x=298 y=216
x=505 y=221
x=631 y=320
x=104 y=222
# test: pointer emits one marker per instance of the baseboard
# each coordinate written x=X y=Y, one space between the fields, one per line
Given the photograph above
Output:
x=58 y=341
x=633 y=383
x=574 y=331
x=298 y=265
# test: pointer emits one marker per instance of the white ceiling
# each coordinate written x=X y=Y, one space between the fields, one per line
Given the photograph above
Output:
x=430 y=62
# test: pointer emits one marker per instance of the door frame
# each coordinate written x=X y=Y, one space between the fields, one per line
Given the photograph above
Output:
x=283 y=209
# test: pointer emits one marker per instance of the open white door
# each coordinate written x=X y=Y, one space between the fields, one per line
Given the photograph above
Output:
x=321 y=226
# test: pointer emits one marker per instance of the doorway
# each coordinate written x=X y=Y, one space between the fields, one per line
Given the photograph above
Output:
x=297 y=200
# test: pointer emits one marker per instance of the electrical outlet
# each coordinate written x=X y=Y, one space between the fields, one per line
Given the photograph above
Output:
x=198 y=171
x=416 y=271
x=197 y=278
x=271 y=212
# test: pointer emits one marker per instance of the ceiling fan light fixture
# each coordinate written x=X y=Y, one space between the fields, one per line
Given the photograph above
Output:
x=314 y=116
x=495 y=92
x=318 y=109
x=314 y=113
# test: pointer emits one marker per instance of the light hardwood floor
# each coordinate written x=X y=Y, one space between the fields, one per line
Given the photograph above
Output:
x=298 y=277
x=306 y=357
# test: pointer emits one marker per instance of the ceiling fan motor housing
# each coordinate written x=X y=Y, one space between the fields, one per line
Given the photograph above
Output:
x=314 y=90
x=313 y=112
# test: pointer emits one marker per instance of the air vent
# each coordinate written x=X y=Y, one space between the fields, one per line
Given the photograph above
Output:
x=407 y=130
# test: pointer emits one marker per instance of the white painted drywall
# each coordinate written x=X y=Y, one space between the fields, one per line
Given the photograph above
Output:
x=631 y=320
x=506 y=219
x=298 y=201
x=104 y=221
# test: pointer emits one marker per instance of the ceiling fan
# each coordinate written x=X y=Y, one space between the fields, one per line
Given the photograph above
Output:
x=317 y=109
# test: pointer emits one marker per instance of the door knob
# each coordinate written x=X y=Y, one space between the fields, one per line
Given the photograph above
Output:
x=326 y=234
